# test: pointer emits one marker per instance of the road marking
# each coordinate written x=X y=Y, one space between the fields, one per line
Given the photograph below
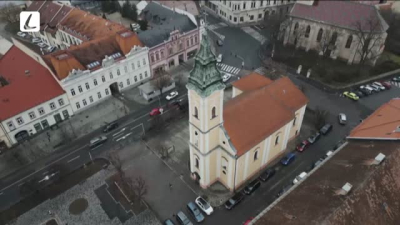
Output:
x=1 y=193
x=122 y=138
x=96 y=147
x=73 y=159
x=43 y=168
x=117 y=133
x=19 y=185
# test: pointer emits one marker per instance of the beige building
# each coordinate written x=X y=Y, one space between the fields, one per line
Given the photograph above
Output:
x=345 y=30
x=230 y=143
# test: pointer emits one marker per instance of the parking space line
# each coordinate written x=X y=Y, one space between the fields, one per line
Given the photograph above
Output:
x=117 y=133
x=73 y=159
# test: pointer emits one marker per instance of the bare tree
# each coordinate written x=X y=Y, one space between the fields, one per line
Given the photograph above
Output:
x=369 y=39
x=179 y=79
x=326 y=41
x=162 y=150
x=10 y=13
x=276 y=69
x=161 y=80
x=295 y=34
x=140 y=188
x=320 y=117
x=115 y=160
x=392 y=18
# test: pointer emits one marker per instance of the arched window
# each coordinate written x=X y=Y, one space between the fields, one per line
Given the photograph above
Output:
x=196 y=113
x=256 y=154
x=334 y=38
x=224 y=164
x=308 y=29
x=197 y=160
x=294 y=121
x=277 y=140
x=349 y=41
x=319 y=36
x=296 y=26
x=213 y=115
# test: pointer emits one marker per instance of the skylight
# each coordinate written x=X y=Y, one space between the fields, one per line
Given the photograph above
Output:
x=93 y=64
x=116 y=55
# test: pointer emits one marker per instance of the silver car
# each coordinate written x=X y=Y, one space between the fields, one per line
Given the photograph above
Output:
x=97 y=141
x=342 y=118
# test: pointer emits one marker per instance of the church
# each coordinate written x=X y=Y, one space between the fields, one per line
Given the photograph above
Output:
x=232 y=142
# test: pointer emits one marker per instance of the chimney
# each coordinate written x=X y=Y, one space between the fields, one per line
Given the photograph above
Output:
x=378 y=159
x=346 y=189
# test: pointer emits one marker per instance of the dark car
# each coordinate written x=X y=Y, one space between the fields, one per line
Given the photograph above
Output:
x=252 y=186
x=182 y=219
x=288 y=159
x=365 y=91
x=110 y=127
x=317 y=163
x=326 y=129
x=232 y=202
x=284 y=190
x=195 y=212
x=303 y=145
x=267 y=175
x=314 y=138
x=168 y=222
x=219 y=42
x=359 y=94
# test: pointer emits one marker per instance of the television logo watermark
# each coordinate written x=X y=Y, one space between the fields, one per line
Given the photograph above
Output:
x=29 y=21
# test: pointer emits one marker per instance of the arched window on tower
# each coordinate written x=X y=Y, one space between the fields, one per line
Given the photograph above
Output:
x=196 y=113
x=256 y=154
x=319 y=36
x=277 y=140
x=296 y=26
x=213 y=113
x=349 y=41
x=308 y=29
x=197 y=161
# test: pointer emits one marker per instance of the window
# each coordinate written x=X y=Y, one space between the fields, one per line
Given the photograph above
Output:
x=99 y=95
x=334 y=38
x=107 y=92
x=90 y=99
x=65 y=114
x=52 y=105
x=261 y=2
x=20 y=120
x=152 y=58
x=252 y=17
x=11 y=125
x=37 y=127
x=133 y=66
x=72 y=92
x=140 y=76
x=144 y=61
x=170 y=51
x=253 y=4
x=224 y=164
x=125 y=69
x=294 y=121
x=111 y=75
x=32 y=115
x=274 y=2
x=84 y=102
x=196 y=113
x=41 y=111
x=349 y=41
x=121 y=85
x=241 y=19
x=138 y=64
x=180 y=46
x=145 y=74
x=157 y=56
x=187 y=42
x=244 y=5
x=260 y=16
x=234 y=19
x=195 y=39
x=45 y=124
x=268 y=2
x=80 y=88
x=308 y=29
x=256 y=155
x=277 y=140
x=213 y=115
x=78 y=106
x=191 y=41
x=296 y=26
x=95 y=82
x=319 y=36
x=128 y=82
x=197 y=164
x=87 y=86
x=103 y=78
x=61 y=102
x=135 y=77
x=162 y=54
x=118 y=72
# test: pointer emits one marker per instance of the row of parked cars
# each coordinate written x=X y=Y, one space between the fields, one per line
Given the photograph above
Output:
x=366 y=90
x=38 y=42
x=193 y=209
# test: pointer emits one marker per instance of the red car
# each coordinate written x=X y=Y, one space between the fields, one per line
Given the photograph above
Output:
x=156 y=111
x=248 y=221
x=387 y=85
x=301 y=147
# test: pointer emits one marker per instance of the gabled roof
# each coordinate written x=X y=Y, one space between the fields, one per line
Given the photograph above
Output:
x=383 y=124
x=162 y=21
x=344 y=14
x=251 y=82
x=262 y=112
x=51 y=14
x=29 y=84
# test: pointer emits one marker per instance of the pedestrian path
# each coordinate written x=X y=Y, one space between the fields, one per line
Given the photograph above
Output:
x=255 y=34
x=228 y=69
x=217 y=26
x=396 y=84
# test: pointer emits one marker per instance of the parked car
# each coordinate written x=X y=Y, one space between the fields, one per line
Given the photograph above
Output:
x=226 y=77
x=342 y=118
x=36 y=40
x=326 y=129
x=195 y=212
x=381 y=87
x=387 y=85
x=97 y=141
x=368 y=89
x=267 y=175
x=284 y=190
x=41 y=44
x=376 y=88
x=328 y=153
x=183 y=219
x=252 y=186
x=396 y=79
x=204 y=205
x=365 y=91
x=51 y=49
x=288 y=159
x=300 y=177
x=21 y=34
x=360 y=94
x=318 y=162
x=168 y=222
x=302 y=146
x=110 y=127
x=172 y=95
x=219 y=58
x=351 y=95
x=314 y=138
x=232 y=202
x=220 y=42
x=247 y=222
x=155 y=111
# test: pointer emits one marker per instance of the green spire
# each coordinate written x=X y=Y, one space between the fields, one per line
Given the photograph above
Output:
x=205 y=78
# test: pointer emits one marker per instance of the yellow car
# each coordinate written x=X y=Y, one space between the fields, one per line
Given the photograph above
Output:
x=351 y=95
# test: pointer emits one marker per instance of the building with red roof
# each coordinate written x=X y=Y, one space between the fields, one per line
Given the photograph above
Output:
x=346 y=30
x=31 y=100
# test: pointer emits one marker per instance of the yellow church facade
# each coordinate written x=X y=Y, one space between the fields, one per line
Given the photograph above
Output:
x=232 y=142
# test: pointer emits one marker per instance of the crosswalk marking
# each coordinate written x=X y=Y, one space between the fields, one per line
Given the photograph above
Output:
x=393 y=83
x=217 y=26
x=255 y=34
x=228 y=69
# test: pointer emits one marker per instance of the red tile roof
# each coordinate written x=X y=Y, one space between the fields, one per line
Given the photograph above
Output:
x=251 y=82
x=383 y=124
x=24 y=91
x=261 y=112
x=339 y=13
x=51 y=14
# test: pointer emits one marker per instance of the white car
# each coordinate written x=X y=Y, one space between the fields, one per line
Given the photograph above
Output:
x=226 y=77
x=379 y=85
x=51 y=49
x=342 y=118
x=204 y=205
x=219 y=58
x=172 y=95
x=21 y=34
x=42 y=45
x=299 y=177
x=36 y=40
